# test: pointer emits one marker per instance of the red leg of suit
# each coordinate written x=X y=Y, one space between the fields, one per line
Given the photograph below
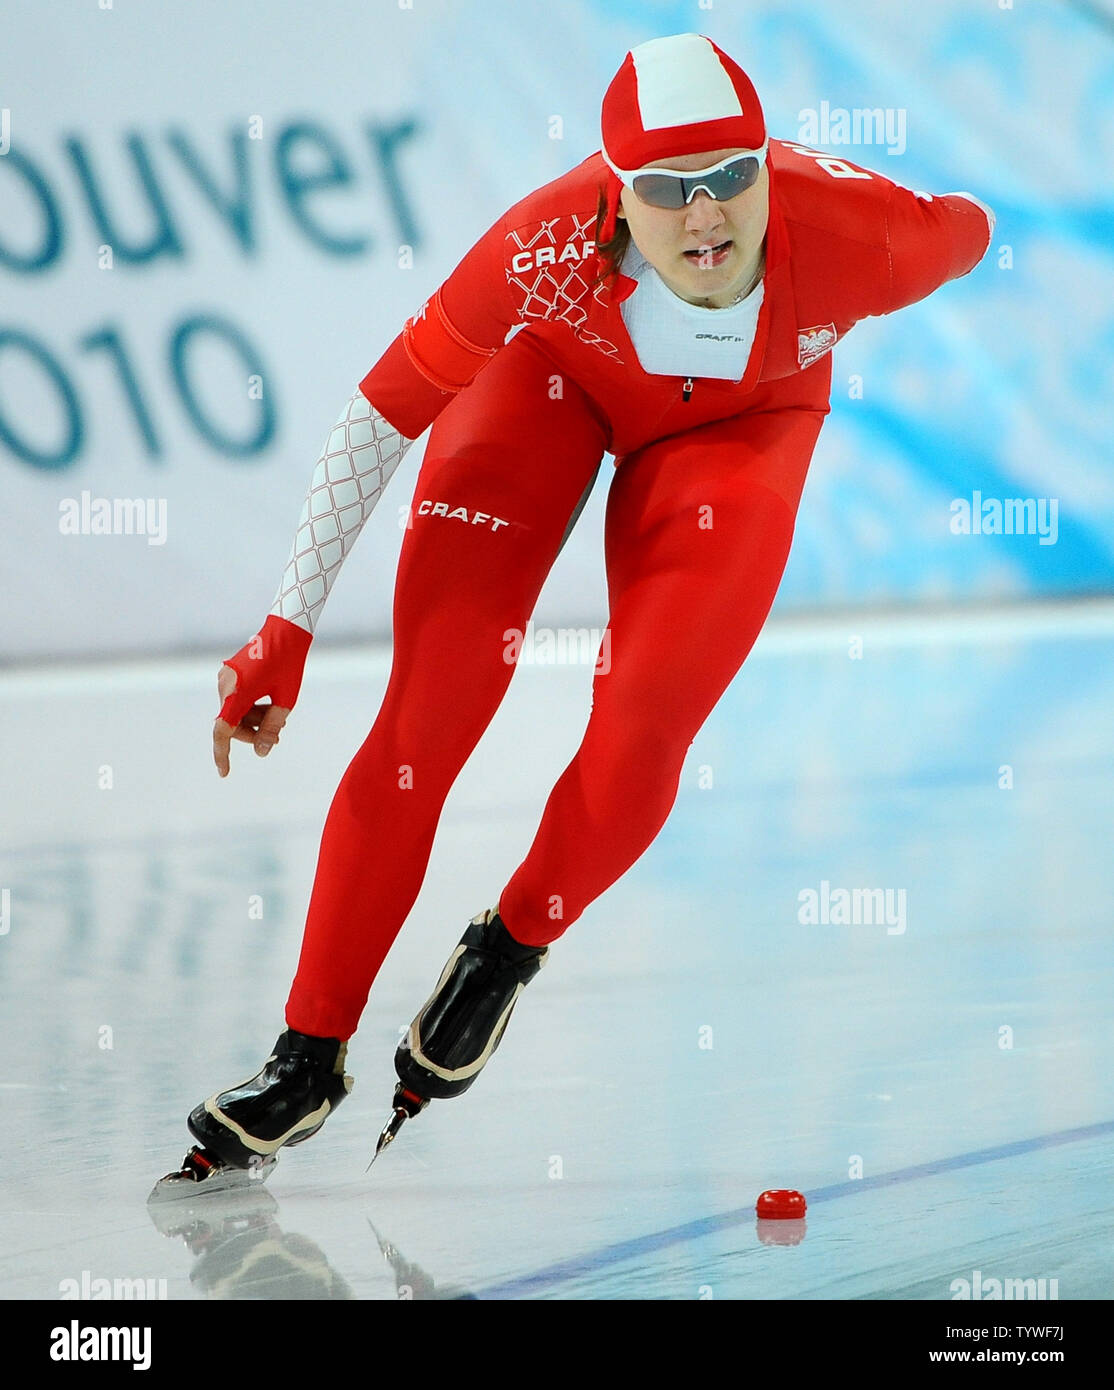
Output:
x=699 y=528
x=506 y=448
x=698 y=531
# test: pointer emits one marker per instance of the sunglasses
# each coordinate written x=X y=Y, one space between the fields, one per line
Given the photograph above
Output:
x=676 y=188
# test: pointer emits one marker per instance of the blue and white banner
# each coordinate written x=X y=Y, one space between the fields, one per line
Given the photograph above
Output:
x=214 y=217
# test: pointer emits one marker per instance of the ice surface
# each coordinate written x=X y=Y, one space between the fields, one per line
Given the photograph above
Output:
x=691 y=1042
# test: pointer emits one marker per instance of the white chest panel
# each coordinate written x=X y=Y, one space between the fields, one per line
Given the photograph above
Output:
x=675 y=338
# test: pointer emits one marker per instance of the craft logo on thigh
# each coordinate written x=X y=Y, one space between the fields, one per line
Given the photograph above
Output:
x=427 y=507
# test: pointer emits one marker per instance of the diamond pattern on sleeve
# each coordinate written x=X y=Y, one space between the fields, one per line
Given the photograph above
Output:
x=360 y=455
x=547 y=266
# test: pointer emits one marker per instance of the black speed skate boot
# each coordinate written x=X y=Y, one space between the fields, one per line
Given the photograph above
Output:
x=299 y=1086
x=463 y=1021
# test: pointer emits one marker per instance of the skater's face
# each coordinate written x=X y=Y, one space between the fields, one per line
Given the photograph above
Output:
x=707 y=251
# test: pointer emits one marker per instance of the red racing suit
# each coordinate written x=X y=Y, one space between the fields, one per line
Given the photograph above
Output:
x=522 y=363
x=843 y=244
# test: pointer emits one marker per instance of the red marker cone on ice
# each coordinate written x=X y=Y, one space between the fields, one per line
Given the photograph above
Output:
x=780 y=1204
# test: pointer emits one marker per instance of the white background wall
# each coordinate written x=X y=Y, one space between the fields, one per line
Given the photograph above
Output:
x=1000 y=382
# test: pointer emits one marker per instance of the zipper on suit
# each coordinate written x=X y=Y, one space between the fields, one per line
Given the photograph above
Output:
x=686 y=389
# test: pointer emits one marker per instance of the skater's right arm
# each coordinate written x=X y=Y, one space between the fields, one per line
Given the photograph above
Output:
x=439 y=351
x=360 y=455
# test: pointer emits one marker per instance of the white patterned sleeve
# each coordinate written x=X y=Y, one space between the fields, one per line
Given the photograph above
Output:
x=360 y=455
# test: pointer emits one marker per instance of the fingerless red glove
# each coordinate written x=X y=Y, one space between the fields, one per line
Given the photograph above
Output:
x=270 y=664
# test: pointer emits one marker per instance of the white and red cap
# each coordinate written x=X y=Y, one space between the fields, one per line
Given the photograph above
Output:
x=675 y=96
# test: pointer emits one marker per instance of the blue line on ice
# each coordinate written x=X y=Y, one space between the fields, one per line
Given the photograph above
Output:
x=564 y=1270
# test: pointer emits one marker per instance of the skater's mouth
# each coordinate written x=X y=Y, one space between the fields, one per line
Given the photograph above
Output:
x=709 y=255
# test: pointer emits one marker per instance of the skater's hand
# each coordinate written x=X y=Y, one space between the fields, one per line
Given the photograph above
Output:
x=260 y=726
x=269 y=665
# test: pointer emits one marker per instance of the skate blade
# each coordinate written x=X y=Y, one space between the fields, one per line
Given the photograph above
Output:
x=390 y=1129
x=407 y=1104
x=200 y=1175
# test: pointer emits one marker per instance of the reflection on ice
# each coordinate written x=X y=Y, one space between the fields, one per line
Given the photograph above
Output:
x=967 y=1054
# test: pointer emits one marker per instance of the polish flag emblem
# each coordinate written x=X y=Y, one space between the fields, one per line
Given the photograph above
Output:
x=813 y=343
